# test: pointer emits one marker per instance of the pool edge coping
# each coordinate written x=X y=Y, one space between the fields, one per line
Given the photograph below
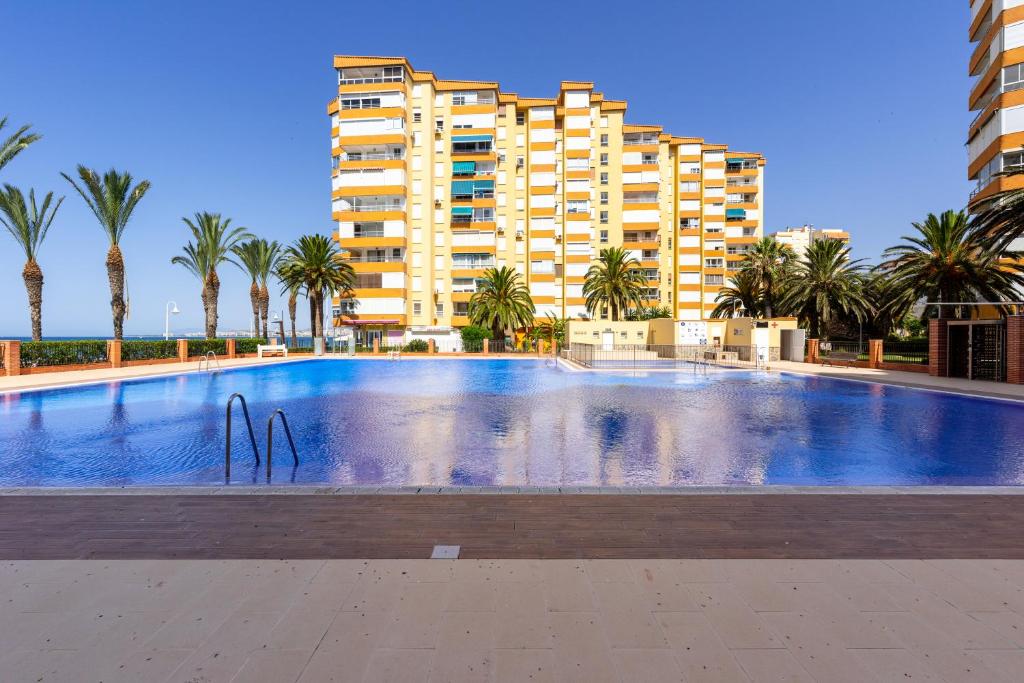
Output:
x=325 y=490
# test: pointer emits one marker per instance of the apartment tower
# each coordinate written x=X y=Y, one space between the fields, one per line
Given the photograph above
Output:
x=434 y=181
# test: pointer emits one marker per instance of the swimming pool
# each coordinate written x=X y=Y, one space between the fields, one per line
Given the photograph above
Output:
x=509 y=423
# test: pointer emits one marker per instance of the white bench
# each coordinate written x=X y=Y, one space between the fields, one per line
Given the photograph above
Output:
x=271 y=349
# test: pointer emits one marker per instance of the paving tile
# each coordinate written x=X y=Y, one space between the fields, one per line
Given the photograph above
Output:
x=733 y=619
x=525 y=665
x=961 y=629
x=771 y=666
x=346 y=648
x=144 y=665
x=399 y=666
x=822 y=656
x=471 y=596
x=647 y=665
x=842 y=621
x=894 y=665
x=663 y=585
x=957 y=592
x=272 y=666
x=608 y=570
x=626 y=617
x=223 y=654
x=413 y=624
x=1007 y=663
x=521 y=616
x=580 y=649
x=464 y=650
x=568 y=587
x=701 y=653
x=1010 y=625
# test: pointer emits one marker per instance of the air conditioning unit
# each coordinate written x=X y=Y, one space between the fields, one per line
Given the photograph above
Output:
x=558 y=238
x=519 y=234
x=520 y=163
x=437 y=203
x=501 y=231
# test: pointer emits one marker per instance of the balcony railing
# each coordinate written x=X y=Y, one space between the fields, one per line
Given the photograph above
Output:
x=640 y=141
x=372 y=79
x=640 y=200
x=631 y=238
x=368 y=233
x=457 y=265
x=374 y=207
x=372 y=156
x=373 y=258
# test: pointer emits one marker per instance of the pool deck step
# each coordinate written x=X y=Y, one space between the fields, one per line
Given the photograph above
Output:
x=735 y=525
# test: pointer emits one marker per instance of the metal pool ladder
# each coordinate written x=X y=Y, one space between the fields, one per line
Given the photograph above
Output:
x=211 y=357
x=270 y=439
x=252 y=437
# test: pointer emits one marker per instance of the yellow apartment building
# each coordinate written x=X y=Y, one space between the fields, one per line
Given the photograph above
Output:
x=434 y=181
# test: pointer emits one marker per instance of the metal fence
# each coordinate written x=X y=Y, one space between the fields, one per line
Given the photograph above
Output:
x=844 y=350
x=905 y=352
x=668 y=356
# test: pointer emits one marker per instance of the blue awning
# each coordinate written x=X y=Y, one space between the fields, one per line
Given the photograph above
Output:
x=464 y=167
x=735 y=213
x=462 y=210
x=737 y=162
x=462 y=187
x=471 y=138
x=483 y=184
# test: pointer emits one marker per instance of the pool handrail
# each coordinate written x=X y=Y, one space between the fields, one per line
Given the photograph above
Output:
x=209 y=361
x=227 y=440
x=270 y=439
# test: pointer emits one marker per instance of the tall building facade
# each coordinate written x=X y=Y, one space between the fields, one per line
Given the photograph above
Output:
x=798 y=239
x=434 y=181
x=995 y=137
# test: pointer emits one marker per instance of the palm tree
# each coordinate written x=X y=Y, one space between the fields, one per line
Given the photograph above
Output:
x=743 y=295
x=648 y=313
x=615 y=281
x=951 y=260
x=293 y=300
x=248 y=254
x=891 y=306
x=15 y=143
x=214 y=241
x=1000 y=218
x=501 y=302
x=314 y=264
x=550 y=329
x=112 y=200
x=824 y=285
x=28 y=224
x=269 y=256
x=767 y=262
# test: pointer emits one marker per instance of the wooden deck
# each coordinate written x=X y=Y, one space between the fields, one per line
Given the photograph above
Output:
x=512 y=526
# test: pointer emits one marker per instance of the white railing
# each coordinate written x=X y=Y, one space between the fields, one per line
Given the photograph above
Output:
x=640 y=141
x=633 y=199
x=372 y=79
x=371 y=156
x=374 y=207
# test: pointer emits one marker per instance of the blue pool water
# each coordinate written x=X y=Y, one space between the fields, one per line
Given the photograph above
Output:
x=509 y=422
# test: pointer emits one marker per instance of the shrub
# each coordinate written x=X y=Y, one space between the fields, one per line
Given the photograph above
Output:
x=417 y=346
x=142 y=349
x=248 y=344
x=36 y=354
x=200 y=347
x=473 y=338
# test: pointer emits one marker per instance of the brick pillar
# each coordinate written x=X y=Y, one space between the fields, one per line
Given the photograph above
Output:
x=487 y=346
x=1015 y=349
x=938 y=343
x=376 y=345
x=812 y=351
x=229 y=348
x=431 y=346
x=114 y=352
x=12 y=358
x=875 y=352
x=183 y=350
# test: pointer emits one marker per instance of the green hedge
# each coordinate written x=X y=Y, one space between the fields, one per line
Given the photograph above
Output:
x=37 y=354
x=417 y=346
x=248 y=344
x=140 y=349
x=200 y=347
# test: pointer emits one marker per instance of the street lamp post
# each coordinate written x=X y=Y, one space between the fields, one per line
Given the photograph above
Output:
x=170 y=309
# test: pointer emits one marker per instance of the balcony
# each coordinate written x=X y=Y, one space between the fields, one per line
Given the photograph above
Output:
x=358 y=76
x=395 y=154
x=640 y=139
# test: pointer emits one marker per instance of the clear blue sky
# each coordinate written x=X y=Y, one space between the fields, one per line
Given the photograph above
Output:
x=859 y=107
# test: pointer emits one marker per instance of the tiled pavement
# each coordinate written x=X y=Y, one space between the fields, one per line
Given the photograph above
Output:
x=512 y=620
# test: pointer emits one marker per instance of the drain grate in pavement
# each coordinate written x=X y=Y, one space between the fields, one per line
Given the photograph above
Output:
x=445 y=552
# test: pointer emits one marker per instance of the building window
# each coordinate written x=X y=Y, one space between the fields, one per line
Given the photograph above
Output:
x=438 y=124
x=1013 y=77
x=417 y=116
x=604 y=178
x=417 y=307
x=604 y=197
x=361 y=103
x=520 y=118
x=714 y=280
x=604 y=219
x=604 y=237
x=604 y=139
x=439 y=309
x=604 y=158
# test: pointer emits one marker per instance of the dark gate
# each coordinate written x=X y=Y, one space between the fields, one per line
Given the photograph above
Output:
x=977 y=349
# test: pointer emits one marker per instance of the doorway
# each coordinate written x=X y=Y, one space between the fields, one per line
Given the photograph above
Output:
x=977 y=350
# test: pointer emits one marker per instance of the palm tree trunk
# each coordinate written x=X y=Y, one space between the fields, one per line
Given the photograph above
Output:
x=213 y=293
x=615 y=311
x=254 y=301
x=767 y=300
x=292 y=304
x=311 y=297
x=319 y=326
x=115 y=275
x=32 y=274
x=265 y=309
